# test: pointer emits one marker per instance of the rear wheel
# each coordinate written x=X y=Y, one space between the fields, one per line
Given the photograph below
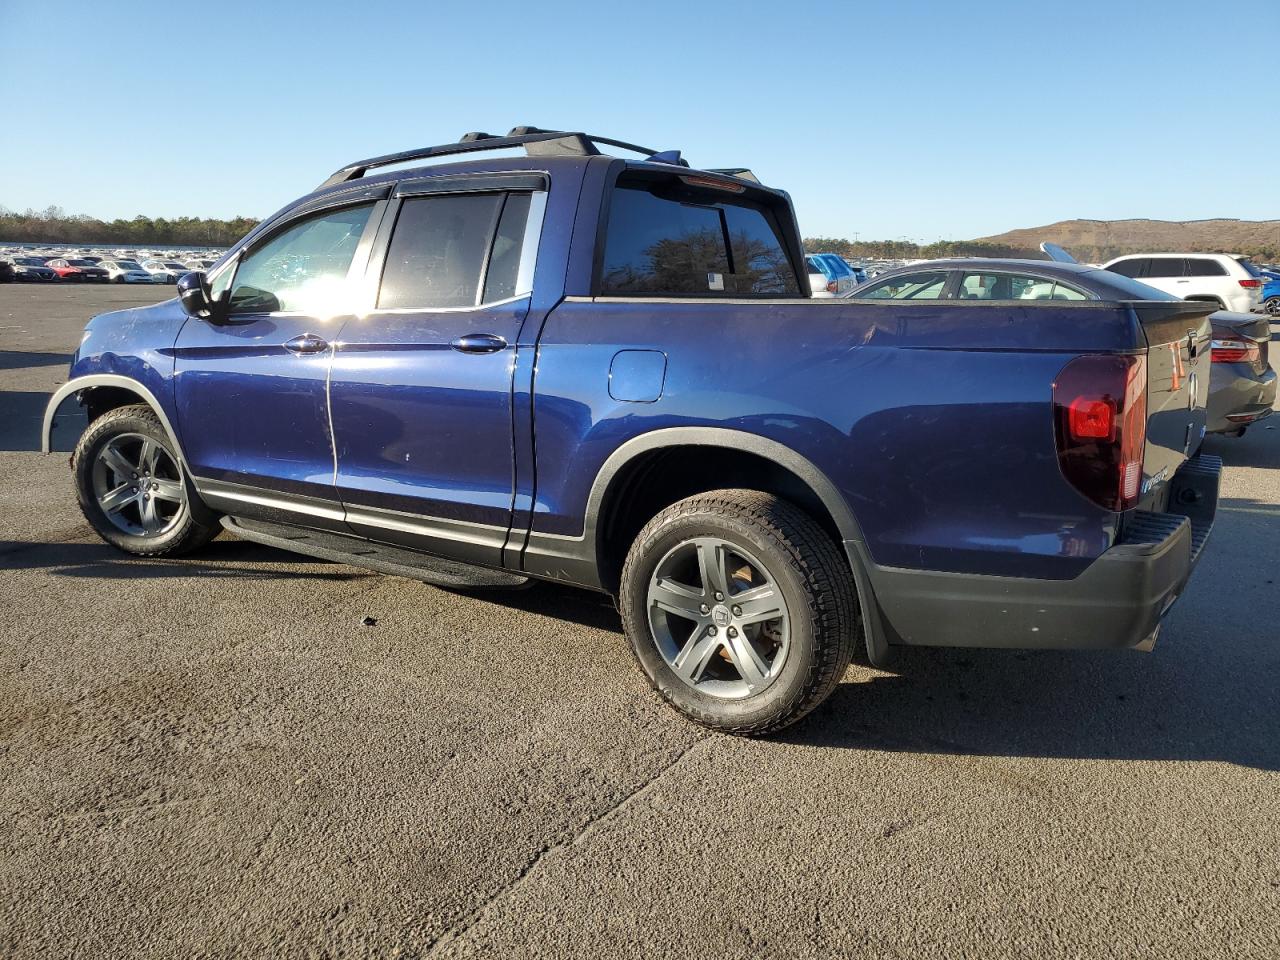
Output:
x=131 y=487
x=740 y=610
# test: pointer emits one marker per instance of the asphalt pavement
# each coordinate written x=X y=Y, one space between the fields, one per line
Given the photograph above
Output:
x=215 y=756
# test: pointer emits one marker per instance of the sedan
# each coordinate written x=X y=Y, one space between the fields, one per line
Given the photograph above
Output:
x=1242 y=388
x=81 y=270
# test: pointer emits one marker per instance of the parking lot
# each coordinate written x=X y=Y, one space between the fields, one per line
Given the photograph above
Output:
x=217 y=756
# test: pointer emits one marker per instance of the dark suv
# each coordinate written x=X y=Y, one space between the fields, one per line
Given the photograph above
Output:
x=608 y=372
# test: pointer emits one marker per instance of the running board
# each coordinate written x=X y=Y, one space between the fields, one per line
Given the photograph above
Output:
x=396 y=561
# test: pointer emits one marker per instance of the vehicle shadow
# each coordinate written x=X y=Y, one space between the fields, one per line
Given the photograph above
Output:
x=1259 y=447
x=583 y=607
x=21 y=416
x=220 y=559
x=17 y=359
x=1209 y=691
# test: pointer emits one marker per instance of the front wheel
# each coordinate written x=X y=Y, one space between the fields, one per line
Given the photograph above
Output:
x=131 y=487
x=740 y=610
x=1272 y=306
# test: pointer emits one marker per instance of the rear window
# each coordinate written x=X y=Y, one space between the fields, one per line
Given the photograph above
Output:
x=1130 y=289
x=1202 y=267
x=667 y=239
x=1249 y=267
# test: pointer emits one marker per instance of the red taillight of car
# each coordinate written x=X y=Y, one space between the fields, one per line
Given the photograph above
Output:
x=1251 y=284
x=1100 y=425
x=1232 y=350
x=832 y=286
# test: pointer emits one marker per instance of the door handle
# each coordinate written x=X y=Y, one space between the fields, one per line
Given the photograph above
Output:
x=479 y=343
x=307 y=343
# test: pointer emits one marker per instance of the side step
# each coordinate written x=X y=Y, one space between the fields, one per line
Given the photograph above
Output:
x=397 y=561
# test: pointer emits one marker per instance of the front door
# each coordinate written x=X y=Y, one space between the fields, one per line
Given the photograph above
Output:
x=421 y=387
x=251 y=390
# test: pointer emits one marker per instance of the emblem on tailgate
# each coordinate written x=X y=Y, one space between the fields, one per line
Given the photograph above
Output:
x=1155 y=480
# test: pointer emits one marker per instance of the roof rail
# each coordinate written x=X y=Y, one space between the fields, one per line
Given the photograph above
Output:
x=536 y=141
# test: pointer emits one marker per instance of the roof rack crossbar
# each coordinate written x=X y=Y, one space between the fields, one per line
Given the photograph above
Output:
x=537 y=142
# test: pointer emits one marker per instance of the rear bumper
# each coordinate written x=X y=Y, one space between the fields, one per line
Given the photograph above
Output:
x=1119 y=601
x=1238 y=400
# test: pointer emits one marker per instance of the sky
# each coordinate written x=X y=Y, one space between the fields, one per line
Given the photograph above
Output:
x=884 y=120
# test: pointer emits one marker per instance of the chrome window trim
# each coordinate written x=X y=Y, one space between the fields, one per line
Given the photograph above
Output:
x=532 y=239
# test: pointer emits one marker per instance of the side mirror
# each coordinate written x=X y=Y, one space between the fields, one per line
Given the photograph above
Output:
x=193 y=291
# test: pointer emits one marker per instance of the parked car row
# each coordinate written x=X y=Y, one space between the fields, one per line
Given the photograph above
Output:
x=95 y=269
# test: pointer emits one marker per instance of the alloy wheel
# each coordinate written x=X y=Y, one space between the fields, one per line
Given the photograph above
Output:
x=138 y=485
x=718 y=618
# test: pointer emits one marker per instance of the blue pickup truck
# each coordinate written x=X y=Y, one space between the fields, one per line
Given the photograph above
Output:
x=608 y=372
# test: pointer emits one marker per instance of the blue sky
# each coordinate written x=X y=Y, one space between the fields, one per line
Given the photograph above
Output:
x=888 y=120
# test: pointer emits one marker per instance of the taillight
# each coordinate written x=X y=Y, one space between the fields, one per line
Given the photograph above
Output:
x=1251 y=284
x=1235 y=351
x=1100 y=425
x=832 y=286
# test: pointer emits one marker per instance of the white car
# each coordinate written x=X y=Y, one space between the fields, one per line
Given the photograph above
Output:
x=166 y=271
x=1228 y=280
x=127 y=271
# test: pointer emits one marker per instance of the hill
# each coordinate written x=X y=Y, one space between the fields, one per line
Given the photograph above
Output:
x=1098 y=240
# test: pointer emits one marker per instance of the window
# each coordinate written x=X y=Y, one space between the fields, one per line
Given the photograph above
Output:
x=302 y=269
x=1204 y=267
x=1128 y=268
x=665 y=238
x=1165 y=267
x=1010 y=286
x=913 y=286
x=504 y=261
x=437 y=252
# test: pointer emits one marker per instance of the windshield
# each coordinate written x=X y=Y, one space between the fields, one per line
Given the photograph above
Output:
x=175 y=266
x=80 y=263
x=128 y=264
x=29 y=261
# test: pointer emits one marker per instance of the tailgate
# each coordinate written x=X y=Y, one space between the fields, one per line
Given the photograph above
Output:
x=1178 y=343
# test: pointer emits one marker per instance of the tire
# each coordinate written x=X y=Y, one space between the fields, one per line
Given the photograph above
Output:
x=1272 y=306
x=122 y=453
x=748 y=541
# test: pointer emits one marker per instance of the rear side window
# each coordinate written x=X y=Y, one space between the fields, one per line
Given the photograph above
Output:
x=1012 y=286
x=913 y=286
x=1166 y=267
x=1128 y=268
x=438 y=250
x=1204 y=267
x=667 y=240
x=504 y=260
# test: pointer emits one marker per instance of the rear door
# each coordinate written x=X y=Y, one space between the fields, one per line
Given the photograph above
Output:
x=1168 y=274
x=421 y=387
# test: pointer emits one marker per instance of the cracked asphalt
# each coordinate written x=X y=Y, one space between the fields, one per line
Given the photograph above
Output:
x=215 y=757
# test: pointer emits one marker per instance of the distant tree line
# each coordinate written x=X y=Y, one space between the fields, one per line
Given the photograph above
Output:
x=53 y=225
x=1085 y=253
